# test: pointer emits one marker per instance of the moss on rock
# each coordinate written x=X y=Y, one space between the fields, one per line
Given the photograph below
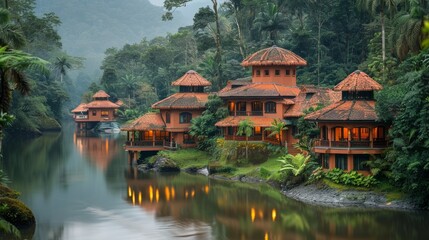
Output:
x=16 y=212
x=8 y=192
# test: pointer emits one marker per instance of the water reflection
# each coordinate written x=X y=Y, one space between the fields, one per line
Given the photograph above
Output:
x=240 y=211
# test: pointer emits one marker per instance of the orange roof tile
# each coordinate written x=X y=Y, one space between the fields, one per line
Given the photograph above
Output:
x=311 y=96
x=191 y=78
x=358 y=81
x=81 y=108
x=101 y=104
x=258 y=121
x=149 y=121
x=261 y=90
x=273 y=56
x=100 y=94
x=188 y=100
x=119 y=103
x=346 y=111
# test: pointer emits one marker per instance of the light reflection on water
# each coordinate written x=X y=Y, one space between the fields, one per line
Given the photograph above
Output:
x=80 y=186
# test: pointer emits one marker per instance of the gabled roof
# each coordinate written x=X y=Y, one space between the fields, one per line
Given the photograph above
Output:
x=258 y=121
x=101 y=104
x=81 y=108
x=346 y=111
x=100 y=94
x=261 y=90
x=149 y=121
x=358 y=81
x=191 y=78
x=188 y=100
x=274 y=56
x=311 y=96
x=236 y=83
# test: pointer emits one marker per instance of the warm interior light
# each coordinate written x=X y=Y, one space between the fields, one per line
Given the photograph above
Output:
x=274 y=215
x=252 y=214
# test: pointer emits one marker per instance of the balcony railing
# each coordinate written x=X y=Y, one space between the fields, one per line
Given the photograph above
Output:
x=81 y=116
x=246 y=113
x=351 y=144
x=243 y=138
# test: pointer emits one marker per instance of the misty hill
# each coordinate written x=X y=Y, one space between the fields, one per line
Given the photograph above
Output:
x=89 y=27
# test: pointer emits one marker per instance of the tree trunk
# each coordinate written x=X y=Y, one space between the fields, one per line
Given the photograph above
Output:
x=247 y=148
x=318 y=51
x=383 y=43
x=218 y=57
x=240 y=38
x=6 y=4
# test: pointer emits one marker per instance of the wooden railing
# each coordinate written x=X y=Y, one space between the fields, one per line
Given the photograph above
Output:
x=351 y=144
x=246 y=113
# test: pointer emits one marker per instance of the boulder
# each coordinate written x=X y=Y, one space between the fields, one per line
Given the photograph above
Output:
x=163 y=164
x=16 y=212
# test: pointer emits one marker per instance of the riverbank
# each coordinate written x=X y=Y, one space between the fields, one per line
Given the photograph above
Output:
x=320 y=193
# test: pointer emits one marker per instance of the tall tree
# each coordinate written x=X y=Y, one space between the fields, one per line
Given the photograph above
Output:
x=380 y=7
x=271 y=20
x=277 y=128
x=61 y=65
x=10 y=34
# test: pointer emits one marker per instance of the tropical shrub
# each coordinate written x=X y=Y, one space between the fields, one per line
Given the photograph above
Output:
x=352 y=178
x=296 y=164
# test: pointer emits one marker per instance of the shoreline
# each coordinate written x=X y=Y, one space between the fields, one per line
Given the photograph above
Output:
x=330 y=197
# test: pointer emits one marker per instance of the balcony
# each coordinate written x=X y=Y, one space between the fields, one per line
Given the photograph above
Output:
x=320 y=143
x=243 y=138
x=79 y=117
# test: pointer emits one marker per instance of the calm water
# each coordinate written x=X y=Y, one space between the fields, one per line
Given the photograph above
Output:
x=81 y=187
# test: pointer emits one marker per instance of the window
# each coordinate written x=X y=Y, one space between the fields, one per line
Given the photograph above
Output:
x=266 y=72
x=257 y=108
x=277 y=72
x=167 y=117
x=340 y=134
x=270 y=107
x=360 y=134
x=94 y=113
x=258 y=72
x=241 y=109
x=293 y=72
x=230 y=131
x=257 y=131
x=324 y=159
x=231 y=108
x=287 y=72
x=104 y=113
x=378 y=133
x=161 y=135
x=185 y=117
x=359 y=162
x=341 y=161
x=148 y=135
x=359 y=95
x=324 y=134
x=188 y=139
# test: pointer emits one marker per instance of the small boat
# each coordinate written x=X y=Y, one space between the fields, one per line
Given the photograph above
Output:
x=107 y=127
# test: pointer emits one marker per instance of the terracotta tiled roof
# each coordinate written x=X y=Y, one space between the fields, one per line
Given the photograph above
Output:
x=274 y=56
x=261 y=90
x=81 y=108
x=346 y=111
x=188 y=100
x=311 y=97
x=191 y=78
x=119 y=103
x=236 y=83
x=100 y=94
x=149 y=121
x=358 y=81
x=258 y=121
x=101 y=104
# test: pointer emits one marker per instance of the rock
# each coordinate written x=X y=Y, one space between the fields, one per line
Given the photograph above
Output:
x=16 y=212
x=8 y=192
x=203 y=171
x=163 y=164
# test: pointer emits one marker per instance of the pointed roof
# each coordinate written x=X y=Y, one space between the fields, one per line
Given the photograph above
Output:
x=100 y=94
x=81 y=108
x=273 y=56
x=191 y=78
x=101 y=104
x=358 y=81
x=148 y=121
x=346 y=111
x=261 y=90
x=187 y=100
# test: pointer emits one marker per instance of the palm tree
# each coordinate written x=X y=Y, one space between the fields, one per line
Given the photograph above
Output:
x=10 y=34
x=277 y=127
x=130 y=83
x=245 y=127
x=271 y=20
x=408 y=24
x=13 y=63
x=61 y=65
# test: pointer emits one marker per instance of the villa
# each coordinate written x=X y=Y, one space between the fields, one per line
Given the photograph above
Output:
x=100 y=109
x=350 y=130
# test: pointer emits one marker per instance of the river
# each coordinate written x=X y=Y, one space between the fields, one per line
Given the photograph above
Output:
x=80 y=186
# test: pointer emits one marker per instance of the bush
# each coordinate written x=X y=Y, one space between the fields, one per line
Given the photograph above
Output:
x=7 y=192
x=234 y=152
x=217 y=168
x=352 y=178
x=265 y=173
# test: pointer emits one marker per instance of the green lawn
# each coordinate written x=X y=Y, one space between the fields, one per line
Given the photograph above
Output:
x=188 y=158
